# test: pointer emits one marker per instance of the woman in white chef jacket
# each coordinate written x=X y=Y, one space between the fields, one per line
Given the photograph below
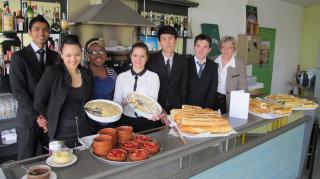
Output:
x=141 y=80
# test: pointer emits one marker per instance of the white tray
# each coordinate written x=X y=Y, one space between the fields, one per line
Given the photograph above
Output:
x=269 y=116
x=144 y=114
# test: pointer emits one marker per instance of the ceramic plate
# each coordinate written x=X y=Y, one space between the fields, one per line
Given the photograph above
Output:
x=51 y=163
x=53 y=175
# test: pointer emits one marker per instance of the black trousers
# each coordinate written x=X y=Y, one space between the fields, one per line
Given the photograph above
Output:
x=31 y=142
x=221 y=103
x=139 y=124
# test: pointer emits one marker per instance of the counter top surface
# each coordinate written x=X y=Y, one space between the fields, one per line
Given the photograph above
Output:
x=173 y=149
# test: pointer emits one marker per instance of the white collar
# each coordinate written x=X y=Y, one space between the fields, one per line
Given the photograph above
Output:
x=232 y=62
x=165 y=57
x=197 y=60
x=35 y=47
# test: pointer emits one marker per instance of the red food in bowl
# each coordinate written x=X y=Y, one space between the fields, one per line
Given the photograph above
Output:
x=128 y=146
x=138 y=154
x=117 y=155
x=151 y=147
x=142 y=138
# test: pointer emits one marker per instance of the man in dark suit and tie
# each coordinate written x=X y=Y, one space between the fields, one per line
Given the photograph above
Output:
x=203 y=74
x=172 y=70
x=26 y=69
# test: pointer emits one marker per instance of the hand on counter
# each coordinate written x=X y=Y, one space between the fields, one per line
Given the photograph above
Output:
x=43 y=123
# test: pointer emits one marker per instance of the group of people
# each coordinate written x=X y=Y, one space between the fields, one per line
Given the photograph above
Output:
x=51 y=89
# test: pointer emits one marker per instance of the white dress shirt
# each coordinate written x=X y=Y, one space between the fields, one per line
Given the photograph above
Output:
x=148 y=84
x=36 y=48
x=168 y=58
x=222 y=73
x=196 y=61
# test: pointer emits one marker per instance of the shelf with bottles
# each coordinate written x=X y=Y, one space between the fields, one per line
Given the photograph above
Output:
x=182 y=24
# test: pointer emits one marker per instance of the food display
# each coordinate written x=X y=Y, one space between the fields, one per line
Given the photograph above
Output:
x=293 y=102
x=104 y=111
x=137 y=148
x=195 y=120
x=267 y=109
x=143 y=105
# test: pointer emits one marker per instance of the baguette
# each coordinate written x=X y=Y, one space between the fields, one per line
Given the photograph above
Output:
x=258 y=103
x=283 y=111
x=197 y=123
x=205 y=129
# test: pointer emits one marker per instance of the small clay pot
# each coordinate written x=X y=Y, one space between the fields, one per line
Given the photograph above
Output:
x=109 y=131
x=103 y=142
x=117 y=155
x=124 y=134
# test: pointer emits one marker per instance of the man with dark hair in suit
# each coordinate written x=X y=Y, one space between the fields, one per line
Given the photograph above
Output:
x=27 y=67
x=172 y=70
x=203 y=74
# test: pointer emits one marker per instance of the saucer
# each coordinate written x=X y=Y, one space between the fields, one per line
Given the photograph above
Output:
x=51 y=163
x=53 y=175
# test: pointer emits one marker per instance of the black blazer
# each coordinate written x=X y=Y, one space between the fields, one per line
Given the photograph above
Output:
x=24 y=75
x=52 y=91
x=173 y=89
x=202 y=91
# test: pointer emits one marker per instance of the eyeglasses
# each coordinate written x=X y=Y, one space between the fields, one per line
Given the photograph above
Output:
x=96 y=53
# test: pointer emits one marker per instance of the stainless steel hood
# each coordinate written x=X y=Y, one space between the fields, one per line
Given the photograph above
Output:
x=111 y=12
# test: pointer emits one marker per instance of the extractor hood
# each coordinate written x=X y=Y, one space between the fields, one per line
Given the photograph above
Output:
x=111 y=12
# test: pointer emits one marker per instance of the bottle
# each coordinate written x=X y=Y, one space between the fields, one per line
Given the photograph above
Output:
x=2 y=65
x=64 y=24
x=55 y=27
x=41 y=11
x=25 y=15
x=0 y=19
x=7 y=61
x=35 y=10
x=29 y=13
x=7 y=18
x=19 y=22
x=171 y=21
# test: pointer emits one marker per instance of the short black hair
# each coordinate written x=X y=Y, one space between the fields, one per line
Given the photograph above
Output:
x=140 y=45
x=70 y=40
x=167 y=30
x=38 y=18
x=203 y=37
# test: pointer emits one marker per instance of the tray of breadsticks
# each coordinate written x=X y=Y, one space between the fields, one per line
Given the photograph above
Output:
x=194 y=122
x=292 y=101
x=268 y=109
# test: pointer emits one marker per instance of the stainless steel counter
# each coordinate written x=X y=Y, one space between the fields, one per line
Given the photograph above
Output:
x=175 y=161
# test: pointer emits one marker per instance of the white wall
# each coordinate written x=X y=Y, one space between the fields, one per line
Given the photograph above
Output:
x=286 y=18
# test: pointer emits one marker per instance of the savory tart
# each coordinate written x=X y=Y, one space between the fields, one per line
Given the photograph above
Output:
x=130 y=145
x=138 y=154
x=151 y=147
x=117 y=154
x=141 y=138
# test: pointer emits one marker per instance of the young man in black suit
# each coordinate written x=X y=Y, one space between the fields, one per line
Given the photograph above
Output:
x=203 y=74
x=172 y=70
x=26 y=70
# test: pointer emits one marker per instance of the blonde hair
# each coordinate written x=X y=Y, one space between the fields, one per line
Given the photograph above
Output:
x=231 y=39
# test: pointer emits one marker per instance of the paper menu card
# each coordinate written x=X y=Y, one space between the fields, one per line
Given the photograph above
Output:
x=239 y=104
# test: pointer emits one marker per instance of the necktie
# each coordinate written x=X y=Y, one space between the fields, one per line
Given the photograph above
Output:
x=135 y=82
x=168 y=67
x=41 y=59
x=200 y=69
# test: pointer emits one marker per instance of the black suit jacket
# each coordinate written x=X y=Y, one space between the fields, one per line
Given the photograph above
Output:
x=52 y=91
x=25 y=73
x=202 y=91
x=173 y=88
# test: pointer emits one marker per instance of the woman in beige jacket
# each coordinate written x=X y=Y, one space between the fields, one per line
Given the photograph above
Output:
x=231 y=71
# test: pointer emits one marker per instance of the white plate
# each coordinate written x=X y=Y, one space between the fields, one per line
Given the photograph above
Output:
x=51 y=163
x=269 y=116
x=144 y=114
x=105 y=119
x=53 y=175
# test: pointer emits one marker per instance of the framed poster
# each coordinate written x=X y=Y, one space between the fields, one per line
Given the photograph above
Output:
x=212 y=30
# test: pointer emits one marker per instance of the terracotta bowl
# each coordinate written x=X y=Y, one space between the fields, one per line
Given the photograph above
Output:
x=109 y=131
x=124 y=134
x=103 y=142
x=42 y=172
x=138 y=154
x=151 y=147
x=117 y=154
x=130 y=145
x=141 y=138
